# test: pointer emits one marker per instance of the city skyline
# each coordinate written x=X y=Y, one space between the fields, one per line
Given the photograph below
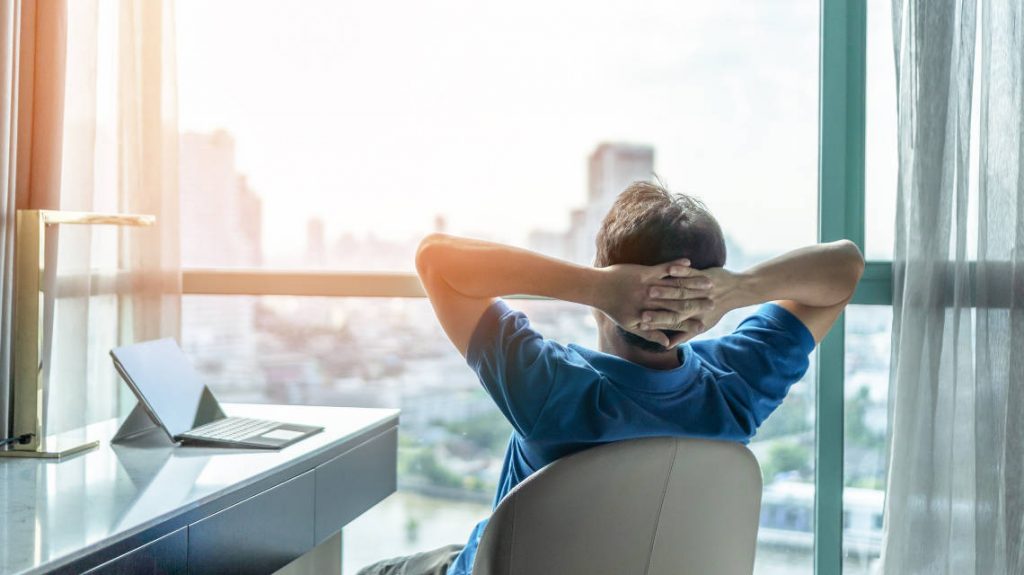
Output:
x=492 y=126
x=392 y=352
x=379 y=126
x=224 y=215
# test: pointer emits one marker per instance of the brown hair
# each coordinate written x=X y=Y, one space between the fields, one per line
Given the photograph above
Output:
x=649 y=225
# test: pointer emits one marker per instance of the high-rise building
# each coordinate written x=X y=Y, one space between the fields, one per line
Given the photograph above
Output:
x=251 y=222
x=221 y=220
x=219 y=211
x=612 y=168
x=316 y=243
x=581 y=246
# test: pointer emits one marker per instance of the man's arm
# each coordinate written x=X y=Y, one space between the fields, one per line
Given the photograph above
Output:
x=463 y=276
x=814 y=283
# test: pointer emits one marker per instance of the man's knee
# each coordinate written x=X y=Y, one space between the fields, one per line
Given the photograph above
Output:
x=435 y=562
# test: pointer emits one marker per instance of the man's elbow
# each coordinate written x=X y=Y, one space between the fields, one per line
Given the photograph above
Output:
x=853 y=263
x=429 y=252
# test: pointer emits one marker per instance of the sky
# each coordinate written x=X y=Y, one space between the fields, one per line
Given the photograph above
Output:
x=377 y=116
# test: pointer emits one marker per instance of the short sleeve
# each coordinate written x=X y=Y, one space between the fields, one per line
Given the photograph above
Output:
x=767 y=354
x=515 y=364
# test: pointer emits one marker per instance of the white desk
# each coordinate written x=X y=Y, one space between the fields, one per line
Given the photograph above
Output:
x=122 y=508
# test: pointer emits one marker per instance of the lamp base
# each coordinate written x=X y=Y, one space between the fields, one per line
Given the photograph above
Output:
x=54 y=447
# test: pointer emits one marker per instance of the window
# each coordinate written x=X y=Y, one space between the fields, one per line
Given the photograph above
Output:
x=881 y=161
x=391 y=352
x=868 y=340
x=298 y=163
x=335 y=135
x=869 y=327
x=378 y=352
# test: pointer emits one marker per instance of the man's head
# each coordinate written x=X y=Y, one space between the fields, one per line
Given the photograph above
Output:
x=649 y=225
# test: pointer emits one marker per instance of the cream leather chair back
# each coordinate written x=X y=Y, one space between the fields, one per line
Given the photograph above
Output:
x=657 y=506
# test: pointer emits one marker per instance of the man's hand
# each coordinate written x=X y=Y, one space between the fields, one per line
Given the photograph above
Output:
x=678 y=294
x=721 y=295
x=813 y=283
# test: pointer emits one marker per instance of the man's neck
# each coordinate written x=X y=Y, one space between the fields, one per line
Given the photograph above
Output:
x=614 y=345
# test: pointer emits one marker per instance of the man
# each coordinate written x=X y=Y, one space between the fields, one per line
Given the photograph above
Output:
x=658 y=280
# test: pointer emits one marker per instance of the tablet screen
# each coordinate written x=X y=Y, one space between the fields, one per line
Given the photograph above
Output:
x=162 y=375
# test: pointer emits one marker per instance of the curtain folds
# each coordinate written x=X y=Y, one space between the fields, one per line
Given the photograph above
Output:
x=120 y=151
x=1000 y=327
x=955 y=497
x=31 y=135
x=95 y=101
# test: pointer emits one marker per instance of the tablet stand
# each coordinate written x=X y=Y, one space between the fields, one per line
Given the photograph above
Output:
x=138 y=424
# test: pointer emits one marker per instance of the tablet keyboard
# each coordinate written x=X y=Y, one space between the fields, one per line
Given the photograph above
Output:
x=232 y=429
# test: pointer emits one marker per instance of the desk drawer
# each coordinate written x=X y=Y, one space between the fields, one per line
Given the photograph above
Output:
x=258 y=535
x=355 y=481
x=165 y=556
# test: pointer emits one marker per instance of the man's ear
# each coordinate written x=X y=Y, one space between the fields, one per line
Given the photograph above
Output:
x=605 y=326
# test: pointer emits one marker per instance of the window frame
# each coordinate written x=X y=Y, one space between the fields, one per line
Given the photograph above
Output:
x=841 y=152
x=841 y=206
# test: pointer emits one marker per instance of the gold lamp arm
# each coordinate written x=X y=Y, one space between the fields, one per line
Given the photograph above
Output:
x=28 y=389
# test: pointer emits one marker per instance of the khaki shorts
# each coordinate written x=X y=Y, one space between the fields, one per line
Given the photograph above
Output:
x=434 y=562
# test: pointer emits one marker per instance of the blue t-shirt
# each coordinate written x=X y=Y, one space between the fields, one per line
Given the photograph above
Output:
x=563 y=399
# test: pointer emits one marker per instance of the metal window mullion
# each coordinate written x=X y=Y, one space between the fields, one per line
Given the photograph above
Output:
x=875 y=287
x=840 y=215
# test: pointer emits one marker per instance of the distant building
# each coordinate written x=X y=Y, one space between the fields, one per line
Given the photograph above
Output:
x=612 y=167
x=221 y=222
x=316 y=243
x=221 y=216
x=580 y=244
x=250 y=209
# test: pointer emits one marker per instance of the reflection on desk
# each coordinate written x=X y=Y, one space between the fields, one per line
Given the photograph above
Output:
x=96 y=506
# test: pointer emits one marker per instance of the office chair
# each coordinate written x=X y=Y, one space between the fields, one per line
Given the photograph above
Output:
x=654 y=506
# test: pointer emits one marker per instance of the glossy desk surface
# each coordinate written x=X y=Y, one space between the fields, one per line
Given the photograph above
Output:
x=52 y=513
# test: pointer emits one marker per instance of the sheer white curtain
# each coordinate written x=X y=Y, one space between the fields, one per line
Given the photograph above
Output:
x=110 y=88
x=1000 y=325
x=955 y=499
x=120 y=155
x=32 y=38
